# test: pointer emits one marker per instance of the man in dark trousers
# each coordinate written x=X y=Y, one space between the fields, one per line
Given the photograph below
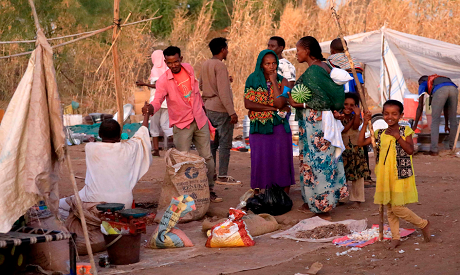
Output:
x=218 y=101
x=443 y=96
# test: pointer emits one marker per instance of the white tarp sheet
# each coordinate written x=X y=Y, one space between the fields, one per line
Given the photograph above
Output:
x=415 y=55
x=31 y=140
x=391 y=77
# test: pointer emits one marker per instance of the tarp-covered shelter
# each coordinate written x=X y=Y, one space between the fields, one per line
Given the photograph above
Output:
x=31 y=140
x=407 y=57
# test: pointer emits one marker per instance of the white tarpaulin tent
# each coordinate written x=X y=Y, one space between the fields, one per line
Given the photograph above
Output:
x=406 y=54
x=31 y=140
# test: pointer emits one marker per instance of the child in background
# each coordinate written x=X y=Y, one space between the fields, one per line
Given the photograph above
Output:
x=394 y=170
x=354 y=161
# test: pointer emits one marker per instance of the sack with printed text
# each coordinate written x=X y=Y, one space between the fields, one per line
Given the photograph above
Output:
x=185 y=175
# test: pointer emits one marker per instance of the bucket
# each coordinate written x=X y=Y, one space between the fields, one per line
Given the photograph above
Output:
x=410 y=105
x=125 y=250
x=246 y=126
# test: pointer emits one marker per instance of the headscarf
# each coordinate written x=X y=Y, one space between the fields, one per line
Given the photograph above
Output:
x=159 y=65
x=256 y=90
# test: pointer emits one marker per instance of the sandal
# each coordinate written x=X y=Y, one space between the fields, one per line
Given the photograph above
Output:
x=155 y=153
x=227 y=180
x=214 y=198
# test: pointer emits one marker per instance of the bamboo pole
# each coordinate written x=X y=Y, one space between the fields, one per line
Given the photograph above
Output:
x=80 y=210
x=116 y=66
x=363 y=102
x=72 y=177
x=456 y=138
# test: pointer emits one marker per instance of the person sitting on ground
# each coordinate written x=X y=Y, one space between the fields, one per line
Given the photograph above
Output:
x=443 y=96
x=285 y=68
x=186 y=110
x=338 y=59
x=160 y=121
x=354 y=161
x=113 y=167
x=395 y=171
x=218 y=100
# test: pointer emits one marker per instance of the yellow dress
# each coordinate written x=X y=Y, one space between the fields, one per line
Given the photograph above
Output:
x=389 y=189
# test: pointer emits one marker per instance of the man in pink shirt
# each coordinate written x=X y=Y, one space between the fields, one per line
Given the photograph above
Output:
x=186 y=110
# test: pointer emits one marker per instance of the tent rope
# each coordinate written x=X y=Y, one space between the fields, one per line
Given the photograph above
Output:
x=78 y=34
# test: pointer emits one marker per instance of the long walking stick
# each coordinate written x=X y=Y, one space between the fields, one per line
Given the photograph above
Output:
x=363 y=102
x=72 y=176
x=456 y=139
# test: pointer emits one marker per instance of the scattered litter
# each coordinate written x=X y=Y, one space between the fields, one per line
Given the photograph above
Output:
x=369 y=236
x=415 y=243
x=401 y=251
x=314 y=268
x=417 y=249
x=346 y=251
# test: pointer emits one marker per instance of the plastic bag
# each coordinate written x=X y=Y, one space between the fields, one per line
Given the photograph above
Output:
x=256 y=204
x=274 y=202
x=230 y=233
x=277 y=202
x=167 y=235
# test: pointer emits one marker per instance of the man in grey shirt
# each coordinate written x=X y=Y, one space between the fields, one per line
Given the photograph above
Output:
x=218 y=100
x=285 y=68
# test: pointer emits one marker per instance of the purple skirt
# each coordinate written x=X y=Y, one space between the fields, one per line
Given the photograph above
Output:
x=271 y=159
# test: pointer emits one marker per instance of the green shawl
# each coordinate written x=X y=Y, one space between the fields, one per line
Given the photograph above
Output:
x=326 y=94
x=256 y=90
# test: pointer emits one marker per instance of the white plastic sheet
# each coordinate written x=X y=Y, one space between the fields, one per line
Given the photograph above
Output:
x=415 y=56
x=31 y=140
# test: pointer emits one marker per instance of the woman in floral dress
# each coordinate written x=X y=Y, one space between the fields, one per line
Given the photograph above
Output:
x=322 y=176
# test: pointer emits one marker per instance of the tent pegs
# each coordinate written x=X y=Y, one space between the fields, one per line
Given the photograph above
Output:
x=363 y=102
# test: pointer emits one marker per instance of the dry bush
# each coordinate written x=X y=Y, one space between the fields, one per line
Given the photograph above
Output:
x=252 y=23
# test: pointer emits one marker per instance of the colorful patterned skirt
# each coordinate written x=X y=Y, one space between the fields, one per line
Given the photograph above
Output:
x=271 y=159
x=322 y=176
x=354 y=162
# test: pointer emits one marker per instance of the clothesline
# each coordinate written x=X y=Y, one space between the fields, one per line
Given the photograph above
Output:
x=89 y=34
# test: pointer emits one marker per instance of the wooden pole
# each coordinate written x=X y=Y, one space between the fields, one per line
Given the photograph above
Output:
x=116 y=66
x=363 y=102
x=72 y=177
x=80 y=210
x=456 y=138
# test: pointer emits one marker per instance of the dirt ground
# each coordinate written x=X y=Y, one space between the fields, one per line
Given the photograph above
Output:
x=437 y=180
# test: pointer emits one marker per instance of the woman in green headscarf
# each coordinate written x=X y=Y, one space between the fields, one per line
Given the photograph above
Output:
x=322 y=175
x=270 y=135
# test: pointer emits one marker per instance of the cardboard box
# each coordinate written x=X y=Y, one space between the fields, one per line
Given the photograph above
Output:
x=136 y=118
x=138 y=108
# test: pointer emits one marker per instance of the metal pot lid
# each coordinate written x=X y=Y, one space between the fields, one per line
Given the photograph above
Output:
x=104 y=207
x=135 y=213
